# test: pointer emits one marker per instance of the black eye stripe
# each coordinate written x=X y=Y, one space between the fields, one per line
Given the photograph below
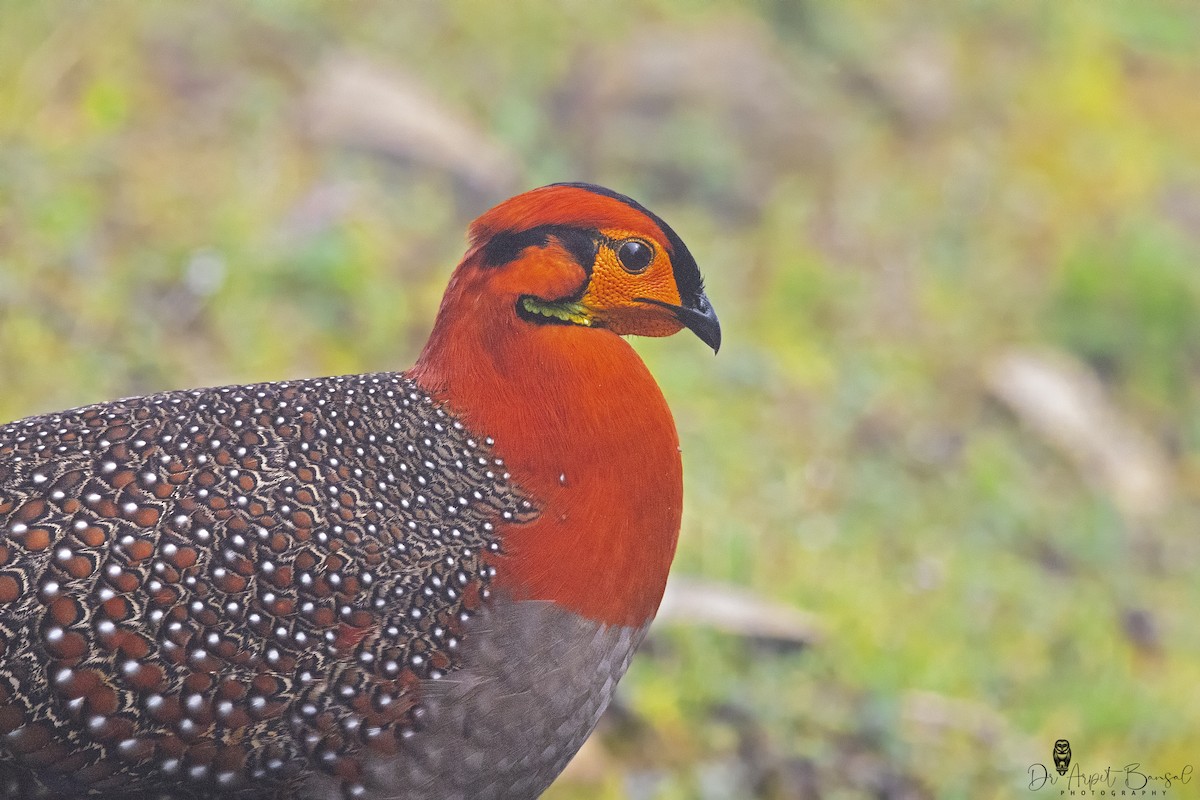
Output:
x=635 y=255
x=507 y=246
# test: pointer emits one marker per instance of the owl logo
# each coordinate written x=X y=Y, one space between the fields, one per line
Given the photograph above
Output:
x=1062 y=756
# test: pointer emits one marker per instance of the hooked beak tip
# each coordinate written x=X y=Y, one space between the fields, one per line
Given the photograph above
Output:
x=698 y=317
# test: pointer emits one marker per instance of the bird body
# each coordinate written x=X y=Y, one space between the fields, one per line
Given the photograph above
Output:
x=398 y=585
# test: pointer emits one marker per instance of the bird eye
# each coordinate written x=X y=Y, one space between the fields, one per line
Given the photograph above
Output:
x=635 y=256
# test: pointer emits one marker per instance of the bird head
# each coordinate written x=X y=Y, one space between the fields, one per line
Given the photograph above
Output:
x=575 y=254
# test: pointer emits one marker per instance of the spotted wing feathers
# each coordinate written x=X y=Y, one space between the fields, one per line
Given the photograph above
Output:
x=212 y=593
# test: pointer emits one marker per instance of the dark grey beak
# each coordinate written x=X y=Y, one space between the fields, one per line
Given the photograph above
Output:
x=697 y=316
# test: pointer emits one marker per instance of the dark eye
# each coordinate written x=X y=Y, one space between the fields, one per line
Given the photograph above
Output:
x=635 y=256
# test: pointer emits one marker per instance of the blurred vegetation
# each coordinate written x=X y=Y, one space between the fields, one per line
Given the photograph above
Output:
x=883 y=200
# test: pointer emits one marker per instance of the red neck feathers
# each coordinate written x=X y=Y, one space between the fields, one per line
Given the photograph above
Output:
x=582 y=427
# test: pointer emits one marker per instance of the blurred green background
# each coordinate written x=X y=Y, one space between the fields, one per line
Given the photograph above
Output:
x=955 y=251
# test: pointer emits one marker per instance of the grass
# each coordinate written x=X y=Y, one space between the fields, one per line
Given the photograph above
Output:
x=881 y=200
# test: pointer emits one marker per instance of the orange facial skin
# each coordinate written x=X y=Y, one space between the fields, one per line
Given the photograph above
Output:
x=578 y=419
x=613 y=291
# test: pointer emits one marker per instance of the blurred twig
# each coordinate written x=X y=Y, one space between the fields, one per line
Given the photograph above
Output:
x=736 y=611
x=358 y=104
x=1064 y=403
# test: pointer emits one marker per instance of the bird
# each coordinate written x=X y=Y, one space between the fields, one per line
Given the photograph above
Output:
x=417 y=584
